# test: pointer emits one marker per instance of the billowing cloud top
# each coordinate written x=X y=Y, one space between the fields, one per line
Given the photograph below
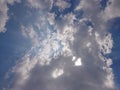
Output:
x=69 y=40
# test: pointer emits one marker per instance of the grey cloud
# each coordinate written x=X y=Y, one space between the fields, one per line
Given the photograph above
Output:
x=87 y=77
x=93 y=74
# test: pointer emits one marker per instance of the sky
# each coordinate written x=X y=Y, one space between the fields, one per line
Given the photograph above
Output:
x=59 y=45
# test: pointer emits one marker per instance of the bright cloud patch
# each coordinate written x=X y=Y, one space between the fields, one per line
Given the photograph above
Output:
x=57 y=73
x=78 y=62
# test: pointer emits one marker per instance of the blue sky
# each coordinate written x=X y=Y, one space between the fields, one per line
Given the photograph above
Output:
x=115 y=51
x=59 y=45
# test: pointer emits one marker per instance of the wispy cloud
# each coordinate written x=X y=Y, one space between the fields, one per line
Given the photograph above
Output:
x=112 y=10
x=4 y=13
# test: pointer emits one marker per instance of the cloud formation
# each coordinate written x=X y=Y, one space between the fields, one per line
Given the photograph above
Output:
x=112 y=10
x=67 y=52
x=4 y=13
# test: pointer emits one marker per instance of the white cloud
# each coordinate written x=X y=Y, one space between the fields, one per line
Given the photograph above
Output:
x=73 y=58
x=106 y=43
x=57 y=73
x=90 y=30
x=51 y=49
x=78 y=62
x=62 y=4
x=109 y=80
x=45 y=5
x=3 y=16
x=4 y=13
x=112 y=10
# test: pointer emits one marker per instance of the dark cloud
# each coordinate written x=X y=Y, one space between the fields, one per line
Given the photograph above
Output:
x=87 y=77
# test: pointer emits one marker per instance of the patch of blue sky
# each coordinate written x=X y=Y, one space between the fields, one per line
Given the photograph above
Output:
x=74 y=4
x=103 y=4
x=78 y=14
x=17 y=12
x=12 y=48
x=89 y=23
x=13 y=45
x=114 y=29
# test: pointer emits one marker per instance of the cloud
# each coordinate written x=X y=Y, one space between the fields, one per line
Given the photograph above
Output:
x=66 y=53
x=112 y=10
x=45 y=5
x=46 y=47
x=57 y=72
x=4 y=13
x=62 y=4
x=106 y=44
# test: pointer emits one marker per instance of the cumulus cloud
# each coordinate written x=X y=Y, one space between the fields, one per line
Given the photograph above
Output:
x=66 y=53
x=4 y=13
